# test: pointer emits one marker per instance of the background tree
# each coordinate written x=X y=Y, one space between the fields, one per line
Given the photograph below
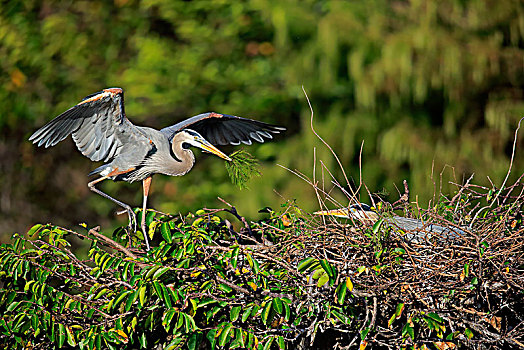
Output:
x=422 y=82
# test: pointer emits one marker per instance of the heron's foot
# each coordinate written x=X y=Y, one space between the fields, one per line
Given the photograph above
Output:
x=132 y=218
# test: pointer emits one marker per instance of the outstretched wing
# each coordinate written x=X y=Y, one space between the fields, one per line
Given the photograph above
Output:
x=223 y=129
x=98 y=125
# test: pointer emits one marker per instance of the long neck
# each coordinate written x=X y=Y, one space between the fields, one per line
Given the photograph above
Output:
x=184 y=161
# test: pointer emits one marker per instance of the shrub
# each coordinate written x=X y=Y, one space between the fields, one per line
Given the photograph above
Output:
x=288 y=281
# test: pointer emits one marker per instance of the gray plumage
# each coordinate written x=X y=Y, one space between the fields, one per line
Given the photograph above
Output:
x=102 y=132
x=413 y=230
x=417 y=231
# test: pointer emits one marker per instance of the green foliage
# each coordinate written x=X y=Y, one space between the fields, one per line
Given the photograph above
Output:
x=284 y=285
x=186 y=290
x=242 y=167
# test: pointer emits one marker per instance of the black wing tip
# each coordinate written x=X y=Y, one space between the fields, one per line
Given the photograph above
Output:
x=270 y=127
x=277 y=129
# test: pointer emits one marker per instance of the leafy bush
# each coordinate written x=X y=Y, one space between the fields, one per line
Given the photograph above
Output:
x=285 y=282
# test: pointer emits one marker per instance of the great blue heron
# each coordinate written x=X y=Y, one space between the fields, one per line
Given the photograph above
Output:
x=102 y=132
x=415 y=230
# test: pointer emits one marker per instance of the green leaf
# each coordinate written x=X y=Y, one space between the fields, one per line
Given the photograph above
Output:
x=189 y=323
x=131 y=299
x=101 y=293
x=158 y=289
x=305 y=264
x=28 y=285
x=166 y=296
x=211 y=337
x=120 y=297
x=266 y=312
x=194 y=340
x=168 y=317
x=166 y=232
x=340 y=316
x=234 y=257
x=330 y=270
x=70 y=337
x=13 y=306
x=150 y=215
x=281 y=342
x=34 y=229
x=141 y=339
x=142 y=295
x=287 y=314
x=246 y=313
x=250 y=340
x=234 y=313
x=364 y=333
x=205 y=302
x=267 y=346
x=225 y=288
x=318 y=273
x=392 y=319
x=277 y=305
x=435 y=317
x=407 y=330
x=468 y=333
x=377 y=224
x=322 y=280
x=128 y=270
x=152 y=271
x=160 y=272
x=90 y=313
x=341 y=292
x=253 y=264
x=239 y=337
x=61 y=335
x=222 y=339
x=466 y=269
x=399 y=309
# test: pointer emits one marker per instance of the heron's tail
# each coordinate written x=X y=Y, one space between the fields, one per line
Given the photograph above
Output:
x=98 y=170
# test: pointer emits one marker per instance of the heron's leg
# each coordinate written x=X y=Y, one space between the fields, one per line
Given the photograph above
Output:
x=146 y=183
x=130 y=213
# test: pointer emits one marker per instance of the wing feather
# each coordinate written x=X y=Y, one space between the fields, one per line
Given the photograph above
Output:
x=235 y=135
x=97 y=124
x=90 y=149
x=256 y=136
x=83 y=137
x=223 y=129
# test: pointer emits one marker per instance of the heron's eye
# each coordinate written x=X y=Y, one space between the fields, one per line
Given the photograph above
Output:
x=186 y=145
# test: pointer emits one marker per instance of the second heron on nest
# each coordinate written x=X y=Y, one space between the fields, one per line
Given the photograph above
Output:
x=415 y=230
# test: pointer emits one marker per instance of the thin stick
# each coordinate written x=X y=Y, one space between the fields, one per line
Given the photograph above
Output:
x=118 y=246
x=321 y=139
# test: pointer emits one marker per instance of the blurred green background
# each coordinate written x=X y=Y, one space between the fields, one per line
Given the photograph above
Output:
x=425 y=83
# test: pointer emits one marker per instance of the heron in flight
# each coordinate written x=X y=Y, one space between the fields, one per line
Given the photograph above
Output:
x=415 y=230
x=102 y=132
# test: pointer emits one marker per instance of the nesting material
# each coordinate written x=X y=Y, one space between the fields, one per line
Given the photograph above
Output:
x=242 y=168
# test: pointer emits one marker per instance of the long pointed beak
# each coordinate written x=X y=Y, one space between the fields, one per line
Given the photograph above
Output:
x=206 y=146
x=341 y=212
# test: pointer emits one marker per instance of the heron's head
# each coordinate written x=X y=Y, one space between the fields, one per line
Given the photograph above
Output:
x=360 y=211
x=190 y=137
